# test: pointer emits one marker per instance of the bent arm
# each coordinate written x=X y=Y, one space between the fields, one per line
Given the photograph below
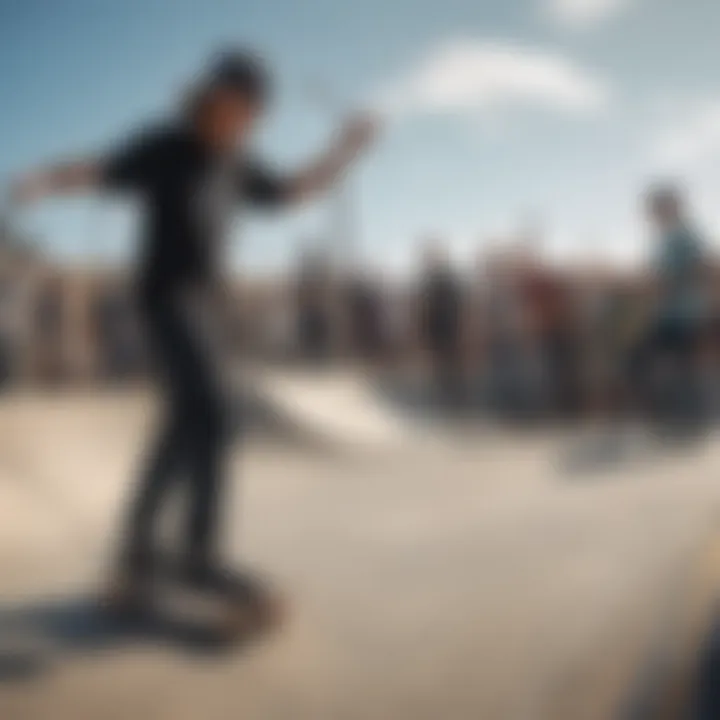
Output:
x=60 y=179
x=322 y=174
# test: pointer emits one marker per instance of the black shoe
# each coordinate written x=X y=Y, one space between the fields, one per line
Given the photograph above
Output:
x=214 y=578
x=253 y=605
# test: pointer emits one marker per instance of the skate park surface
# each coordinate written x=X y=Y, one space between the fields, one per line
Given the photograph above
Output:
x=473 y=577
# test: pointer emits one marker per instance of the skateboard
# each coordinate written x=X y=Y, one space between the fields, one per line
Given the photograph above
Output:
x=237 y=610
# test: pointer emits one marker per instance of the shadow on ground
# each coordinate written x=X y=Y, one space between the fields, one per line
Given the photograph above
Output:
x=35 y=638
x=613 y=448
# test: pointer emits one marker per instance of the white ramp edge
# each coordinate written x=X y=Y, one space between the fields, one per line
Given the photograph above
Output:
x=339 y=408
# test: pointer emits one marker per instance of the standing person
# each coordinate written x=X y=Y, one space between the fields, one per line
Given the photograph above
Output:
x=477 y=328
x=511 y=341
x=679 y=299
x=551 y=307
x=110 y=334
x=6 y=335
x=313 y=307
x=187 y=174
x=49 y=322
x=595 y=294
x=441 y=308
x=365 y=314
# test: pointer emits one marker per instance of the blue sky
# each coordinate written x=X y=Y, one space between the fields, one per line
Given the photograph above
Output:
x=556 y=110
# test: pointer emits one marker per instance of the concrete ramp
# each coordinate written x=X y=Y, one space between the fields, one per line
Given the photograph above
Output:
x=332 y=407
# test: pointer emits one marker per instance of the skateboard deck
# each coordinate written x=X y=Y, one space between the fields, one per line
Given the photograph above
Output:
x=174 y=607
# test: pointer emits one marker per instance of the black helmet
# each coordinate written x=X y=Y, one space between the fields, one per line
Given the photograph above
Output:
x=240 y=71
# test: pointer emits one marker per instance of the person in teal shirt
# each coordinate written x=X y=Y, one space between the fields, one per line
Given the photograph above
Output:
x=679 y=263
x=678 y=315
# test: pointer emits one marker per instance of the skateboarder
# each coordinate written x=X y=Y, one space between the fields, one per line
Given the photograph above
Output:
x=187 y=174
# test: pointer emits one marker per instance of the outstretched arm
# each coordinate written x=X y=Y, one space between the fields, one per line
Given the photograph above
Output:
x=129 y=166
x=61 y=179
x=327 y=170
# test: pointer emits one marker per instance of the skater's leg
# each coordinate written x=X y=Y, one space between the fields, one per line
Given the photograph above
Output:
x=163 y=468
x=168 y=458
x=207 y=461
x=254 y=606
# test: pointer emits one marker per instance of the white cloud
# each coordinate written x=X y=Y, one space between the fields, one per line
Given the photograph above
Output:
x=464 y=77
x=689 y=142
x=580 y=14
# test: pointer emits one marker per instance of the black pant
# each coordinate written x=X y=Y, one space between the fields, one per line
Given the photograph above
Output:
x=193 y=437
x=314 y=334
x=675 y=341
x=447 y=366
x=560 y=352
x=671 y=342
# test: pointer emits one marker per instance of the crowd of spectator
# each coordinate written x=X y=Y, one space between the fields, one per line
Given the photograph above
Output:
x=512 y=334
x=525 y=338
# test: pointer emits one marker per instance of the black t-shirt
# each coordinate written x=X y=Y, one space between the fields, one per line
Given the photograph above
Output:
x=188 y=195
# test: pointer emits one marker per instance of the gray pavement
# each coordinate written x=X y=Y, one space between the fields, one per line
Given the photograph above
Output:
x=458 y=580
